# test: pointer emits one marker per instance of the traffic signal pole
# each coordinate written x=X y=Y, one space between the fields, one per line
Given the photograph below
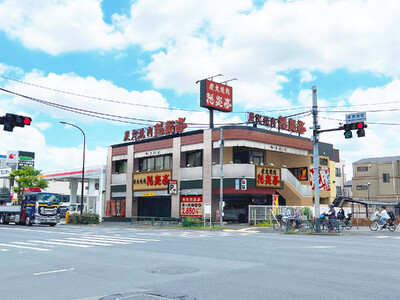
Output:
x=316 y=156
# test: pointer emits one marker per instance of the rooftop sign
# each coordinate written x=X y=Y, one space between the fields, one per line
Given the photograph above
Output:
x=160 y=129
x=281 y=123
x=214 y=95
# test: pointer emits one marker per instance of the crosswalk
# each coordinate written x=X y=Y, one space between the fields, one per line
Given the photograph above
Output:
x=90 y=237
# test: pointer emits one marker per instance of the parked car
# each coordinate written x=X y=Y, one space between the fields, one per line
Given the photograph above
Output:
x=236 y=212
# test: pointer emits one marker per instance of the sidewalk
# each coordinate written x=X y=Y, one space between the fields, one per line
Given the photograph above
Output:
x=242 y=227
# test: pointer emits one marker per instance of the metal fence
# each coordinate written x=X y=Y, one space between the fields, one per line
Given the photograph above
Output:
x=165 y=222
x=268 y=213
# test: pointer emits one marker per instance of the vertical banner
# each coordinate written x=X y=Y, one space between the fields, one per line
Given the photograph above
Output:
x=108 y=208
x=275 y=203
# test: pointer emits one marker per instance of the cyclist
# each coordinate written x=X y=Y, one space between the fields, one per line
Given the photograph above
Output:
x=332 y=217
x=384 y=216
x=296 y=216
x=341 y=214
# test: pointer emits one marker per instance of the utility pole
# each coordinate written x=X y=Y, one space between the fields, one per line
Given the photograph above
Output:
x=221 y=179
x=316 y=156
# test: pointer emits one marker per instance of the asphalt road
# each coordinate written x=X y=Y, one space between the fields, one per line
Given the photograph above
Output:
x=120 y=262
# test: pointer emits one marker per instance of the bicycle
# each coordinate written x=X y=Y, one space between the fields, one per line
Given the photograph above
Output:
x=346 y=223
x=279 y=222
x=298 y=224
x=389 y=224
x=326 y=224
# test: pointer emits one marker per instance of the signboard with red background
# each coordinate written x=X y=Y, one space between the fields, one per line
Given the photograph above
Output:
x=214 y=95
x=192 y=206
x=268 y=177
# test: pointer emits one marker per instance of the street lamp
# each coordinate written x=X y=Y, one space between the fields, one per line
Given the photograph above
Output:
x=369 y=183
x=83 y=160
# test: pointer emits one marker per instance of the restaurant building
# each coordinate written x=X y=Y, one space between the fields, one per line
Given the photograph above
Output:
x=177 y=174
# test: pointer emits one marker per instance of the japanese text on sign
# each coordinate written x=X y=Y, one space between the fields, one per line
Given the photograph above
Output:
x=157 y=180
x=215 y=96
x=281 y=123
x=323 y=178
x=191 y=206
x=268 y=177
x=160 y=129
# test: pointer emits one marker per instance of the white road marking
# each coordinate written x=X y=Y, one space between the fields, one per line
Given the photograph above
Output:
x=55 y=271
x=100 y=240
x=382 y=236
x=60 y=243
x=4 y=250
x=85 y=241
x=25 y=247
x=29 y=244
x=321 y=247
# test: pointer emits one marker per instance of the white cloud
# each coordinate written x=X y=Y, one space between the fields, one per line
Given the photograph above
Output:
x=43 y=125
x=306 y=76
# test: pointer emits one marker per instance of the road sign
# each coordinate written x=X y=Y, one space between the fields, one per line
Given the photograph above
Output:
x=356 y=117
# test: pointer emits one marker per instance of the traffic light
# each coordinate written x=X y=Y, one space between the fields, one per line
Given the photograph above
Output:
x=360 y=129
x=243 y=183
x=11 y=120
x=347 y=131
x=359 y=126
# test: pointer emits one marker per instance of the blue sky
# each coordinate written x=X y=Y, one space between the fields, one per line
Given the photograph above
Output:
x=152 y=52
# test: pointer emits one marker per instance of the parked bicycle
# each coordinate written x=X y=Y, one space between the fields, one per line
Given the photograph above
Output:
x=329 y=224
x=279 y=222
x=346 y=222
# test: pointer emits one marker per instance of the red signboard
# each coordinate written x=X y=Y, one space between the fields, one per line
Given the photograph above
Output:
x=214 y=95
x=192 y=206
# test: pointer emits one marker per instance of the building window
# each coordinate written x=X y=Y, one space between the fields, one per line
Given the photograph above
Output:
x=243 y=155
x=362 y=187
x=362 y=169
x=323 y=161
x=194 y=159
x=299 y=173
x=155 y=163
x=386 y=177
x=120 y=166
x=338 y=190
x=338 y=172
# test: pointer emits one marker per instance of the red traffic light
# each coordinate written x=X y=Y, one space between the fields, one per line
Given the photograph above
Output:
x=27 y=121
x=360 y=125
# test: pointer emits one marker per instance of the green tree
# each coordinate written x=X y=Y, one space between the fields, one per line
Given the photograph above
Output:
x=28 y=177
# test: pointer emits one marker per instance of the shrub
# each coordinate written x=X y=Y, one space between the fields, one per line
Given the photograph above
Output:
x=307 y=212
x=192 y=222
x=85 y=218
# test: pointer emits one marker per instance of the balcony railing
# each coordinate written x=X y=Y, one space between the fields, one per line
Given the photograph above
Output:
x=118 y=178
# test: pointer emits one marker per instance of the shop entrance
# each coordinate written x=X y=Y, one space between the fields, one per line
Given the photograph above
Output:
x=154 y=207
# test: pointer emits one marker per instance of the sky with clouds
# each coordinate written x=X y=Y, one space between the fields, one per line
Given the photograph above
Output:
x=137 y=62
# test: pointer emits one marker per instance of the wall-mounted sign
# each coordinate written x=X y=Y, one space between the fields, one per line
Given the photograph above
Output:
x=268 y=177
x=5 y=172
x=173 y=187
x=215 y=95
x=192 y=206
x=160 y=129
x=280 y=123
x=323 y=176
x=148 y=194
x=154 y=180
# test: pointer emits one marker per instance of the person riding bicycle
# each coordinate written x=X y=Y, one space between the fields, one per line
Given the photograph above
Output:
x=331 y=216
x=296 y=216
x=384 y=216
x=341 y=214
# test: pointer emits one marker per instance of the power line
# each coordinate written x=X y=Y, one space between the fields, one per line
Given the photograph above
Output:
x=134 y=104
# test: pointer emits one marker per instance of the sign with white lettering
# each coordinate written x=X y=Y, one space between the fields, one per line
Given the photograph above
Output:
x=214 y=95
x=192 y=206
